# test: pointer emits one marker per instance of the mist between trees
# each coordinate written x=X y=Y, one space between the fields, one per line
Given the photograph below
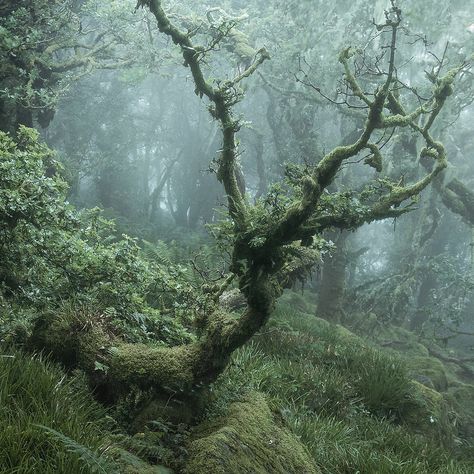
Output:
x=232 y=208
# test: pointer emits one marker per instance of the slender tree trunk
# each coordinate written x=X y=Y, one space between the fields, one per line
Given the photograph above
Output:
x=145 y=172
x=331 y=291
x=472 y=250
x=262 y=177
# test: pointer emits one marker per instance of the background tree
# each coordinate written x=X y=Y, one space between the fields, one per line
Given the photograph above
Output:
x=47 y=45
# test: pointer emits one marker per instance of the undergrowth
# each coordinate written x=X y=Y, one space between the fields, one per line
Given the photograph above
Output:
x=347 y=401
x=49 y=423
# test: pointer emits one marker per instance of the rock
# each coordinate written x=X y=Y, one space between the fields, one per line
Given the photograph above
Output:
x=248 y=440
x=429 y=371
x=427 y=413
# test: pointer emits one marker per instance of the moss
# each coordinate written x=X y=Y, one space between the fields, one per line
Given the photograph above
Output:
x=91 y=347
x=426 y=413
x=50 y=333
x=232 y=300
x=241 y=46
x=247 y=440
x=73 y=339
x=288 y=313
x=461 y=398
x=148 y=367
x=444 y=86
x=398 y=339
x=375 y=159
x=429 y=371
x=79 y=341
x=348 y=337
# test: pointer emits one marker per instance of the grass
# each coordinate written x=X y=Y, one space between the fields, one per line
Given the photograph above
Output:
x=344 y=399
x=40 y=409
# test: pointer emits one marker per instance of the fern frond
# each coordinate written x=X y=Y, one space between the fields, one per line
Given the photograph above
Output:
x=157 y=252
x=95 y=462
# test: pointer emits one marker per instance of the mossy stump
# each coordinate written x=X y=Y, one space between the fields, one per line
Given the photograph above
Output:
x=428 y=414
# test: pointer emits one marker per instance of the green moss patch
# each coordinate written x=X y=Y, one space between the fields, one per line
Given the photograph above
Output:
x=429 y=371
x=247 y=440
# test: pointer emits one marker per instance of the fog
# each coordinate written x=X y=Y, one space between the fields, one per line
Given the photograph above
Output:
x=229 y=183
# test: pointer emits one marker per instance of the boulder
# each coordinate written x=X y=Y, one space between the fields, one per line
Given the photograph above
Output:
x=247 y=440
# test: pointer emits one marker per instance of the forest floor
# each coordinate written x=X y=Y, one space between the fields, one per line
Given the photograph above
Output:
x=303 y=396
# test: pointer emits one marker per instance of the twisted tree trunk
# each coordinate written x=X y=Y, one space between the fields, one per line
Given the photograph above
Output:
x=261 y=247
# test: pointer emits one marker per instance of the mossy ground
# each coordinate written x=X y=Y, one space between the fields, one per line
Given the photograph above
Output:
x=355 y=407
x=429 y=371
x=303 y=396
x=247 y=440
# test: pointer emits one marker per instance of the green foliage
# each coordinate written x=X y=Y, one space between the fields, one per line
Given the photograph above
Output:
x=377 y=380
x=51 y=424
x=91 y=460
x=25 y=78
x=73 y=269
x=53 y=256
x=34 y=215
x=45 y=46
x=158 y=442
x=31 y=187
x=186 y=266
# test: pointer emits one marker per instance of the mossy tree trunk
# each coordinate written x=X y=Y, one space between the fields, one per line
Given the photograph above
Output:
x=79 y=341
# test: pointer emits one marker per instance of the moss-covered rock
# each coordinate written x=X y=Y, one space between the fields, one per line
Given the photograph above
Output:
x=248 y=440
x=400 y=340
x=427 y=413
x=461 y=399
x=429 y=371
x=288 y=317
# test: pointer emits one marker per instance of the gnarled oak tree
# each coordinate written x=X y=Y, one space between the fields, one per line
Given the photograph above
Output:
x=265 y=238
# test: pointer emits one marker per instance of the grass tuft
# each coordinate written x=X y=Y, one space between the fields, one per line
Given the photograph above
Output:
x=36 y=392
